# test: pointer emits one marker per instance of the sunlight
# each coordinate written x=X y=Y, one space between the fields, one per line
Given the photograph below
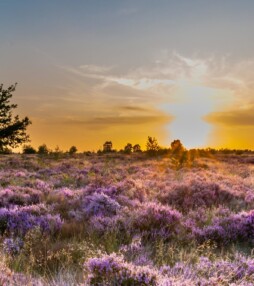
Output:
x=194 y=103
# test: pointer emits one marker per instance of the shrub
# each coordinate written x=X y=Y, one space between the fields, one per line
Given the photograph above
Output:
x=43 y=150
x=113 y=270
x=73 y=150
x=155 y=220
x=100 y=204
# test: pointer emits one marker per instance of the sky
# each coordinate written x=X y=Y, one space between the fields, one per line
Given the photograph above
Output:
x=89 y=71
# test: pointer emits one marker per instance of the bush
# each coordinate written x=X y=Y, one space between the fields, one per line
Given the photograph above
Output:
x=28 y=149
x=113 y=270
x=43 y=150
x=73 y=150
x=155 y=220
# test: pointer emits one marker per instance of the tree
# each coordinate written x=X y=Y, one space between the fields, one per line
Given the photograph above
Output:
x=177 y=147
x=107 y=147
x=73 y=150
x=12 y=128
x=28 y=149
x=152 y=146
x=128 y=148
x=136 y=148
x=179 y=155
x=43 y=149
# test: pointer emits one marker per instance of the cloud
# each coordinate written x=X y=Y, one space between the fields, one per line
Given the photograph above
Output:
x=210 y=87
x=129 y=120
x=244 y=117
x=131 y=80
x=95 y=68
x=133 y=108
x=109 y=121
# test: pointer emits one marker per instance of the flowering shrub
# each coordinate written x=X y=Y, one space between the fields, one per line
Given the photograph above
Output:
x=154 y=219
x=18 y=221
x=143 y=210
x=19 y=196
x=100 y=204
x=230 y=229
x=198 y=193
x=113 y=270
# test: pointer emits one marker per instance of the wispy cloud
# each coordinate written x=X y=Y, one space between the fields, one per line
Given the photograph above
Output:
x=210 y=88
x=239 y=117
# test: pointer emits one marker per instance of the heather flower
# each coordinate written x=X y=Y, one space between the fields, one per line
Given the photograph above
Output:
x=100 y=204
x=12 y=246
x=18 y=221
x=156 y=220
x=113 y=270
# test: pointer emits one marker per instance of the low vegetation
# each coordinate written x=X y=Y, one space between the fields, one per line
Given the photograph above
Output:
x=116 y=219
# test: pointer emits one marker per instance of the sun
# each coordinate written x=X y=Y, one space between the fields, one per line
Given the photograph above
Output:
x=193 y=103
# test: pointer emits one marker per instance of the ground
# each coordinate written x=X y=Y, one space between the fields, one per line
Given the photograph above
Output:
x=122 y=219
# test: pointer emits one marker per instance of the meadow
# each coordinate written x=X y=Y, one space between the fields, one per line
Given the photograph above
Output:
x=117 y=219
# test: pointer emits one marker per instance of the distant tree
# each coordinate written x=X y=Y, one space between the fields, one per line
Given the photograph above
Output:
x=136 y=148
x=43 y=149
x=152 y=146
x=107 y=146
x=180 y=156
x=128 y=148
x=177 y=147
x=73 y=150
x=28 y=149
x=12 y=128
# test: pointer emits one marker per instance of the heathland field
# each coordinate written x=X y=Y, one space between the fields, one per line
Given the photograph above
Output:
x=117 y=219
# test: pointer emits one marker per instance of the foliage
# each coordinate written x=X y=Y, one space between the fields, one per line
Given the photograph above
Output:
x=73 y=150
x=152 y=146
x=12 y=128
x=28 y=149
x=107 y=147
x=177 y=147
x=136 y=148
x=128 y=148
x=126 y=220
x=43 y=149
x=113 y=269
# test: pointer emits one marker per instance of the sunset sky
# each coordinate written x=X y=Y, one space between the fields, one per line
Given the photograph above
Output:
x=95 y=70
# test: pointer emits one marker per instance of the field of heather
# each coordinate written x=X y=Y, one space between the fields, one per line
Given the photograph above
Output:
x=126 y=220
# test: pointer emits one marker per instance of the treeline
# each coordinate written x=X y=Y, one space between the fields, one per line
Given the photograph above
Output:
x=152 y=148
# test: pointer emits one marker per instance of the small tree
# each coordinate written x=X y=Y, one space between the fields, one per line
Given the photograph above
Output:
x=136 y=148
x=73 y=150
x=152 y=146
x=107 y=146
x=12 y=129
x=28 y=149
x=128 y=148
x=179 y=155
x=177 y=147
x=43 y=149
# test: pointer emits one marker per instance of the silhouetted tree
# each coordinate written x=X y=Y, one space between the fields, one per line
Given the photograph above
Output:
x=152 y=146
x=128 y=148
x=179 y=155
x=12 y=129
x=73 y=150
x=177 y=147
x=107 y=146
x=28 y=149
x=136 y=148
x=43 y=149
